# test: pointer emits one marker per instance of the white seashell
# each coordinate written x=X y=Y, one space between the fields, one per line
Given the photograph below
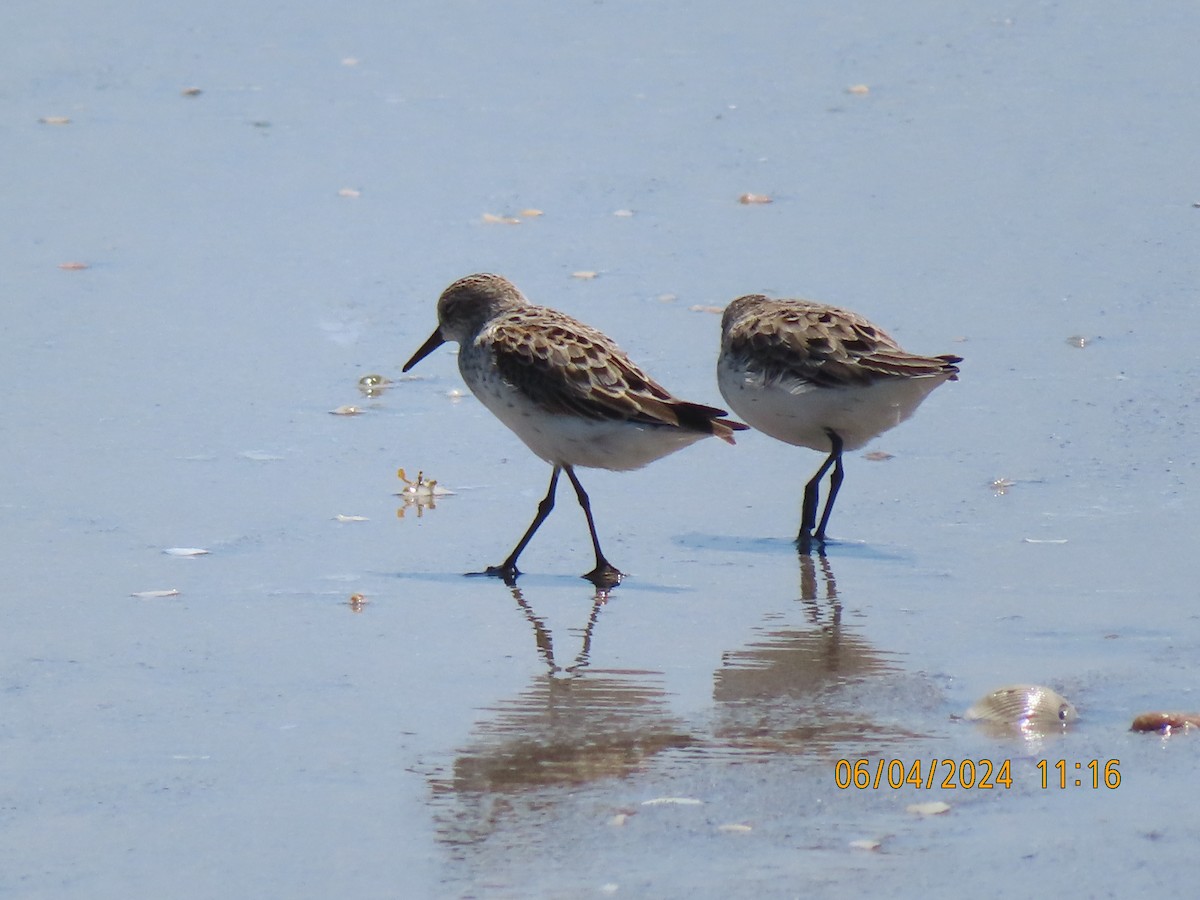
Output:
x=932 y=808
x=1024 y=707
x=866 y=844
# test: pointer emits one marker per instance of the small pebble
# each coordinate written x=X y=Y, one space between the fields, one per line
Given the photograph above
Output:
x=1166 y=722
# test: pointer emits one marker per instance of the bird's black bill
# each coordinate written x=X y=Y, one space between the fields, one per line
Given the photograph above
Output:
x=435 y=340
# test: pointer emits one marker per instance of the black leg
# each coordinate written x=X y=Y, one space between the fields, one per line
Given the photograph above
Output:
x=508 y=569
x=835 y=484
x=808 y=520
x=605 y=575
x=808 y=511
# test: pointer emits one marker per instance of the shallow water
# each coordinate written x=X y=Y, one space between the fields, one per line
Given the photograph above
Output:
x=1014 y=177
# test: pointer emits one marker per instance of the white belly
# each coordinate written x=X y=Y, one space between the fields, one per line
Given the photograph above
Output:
x=799 y=413
x=572 y=440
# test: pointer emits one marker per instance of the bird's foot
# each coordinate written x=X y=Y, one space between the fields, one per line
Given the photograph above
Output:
x=605 y=576
x=806 y=542
x=506 y=572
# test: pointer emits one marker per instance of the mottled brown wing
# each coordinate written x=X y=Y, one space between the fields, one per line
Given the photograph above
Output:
x=827 y=347
x=570 y=368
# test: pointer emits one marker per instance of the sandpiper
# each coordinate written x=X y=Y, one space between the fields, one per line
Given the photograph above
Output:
x=566 y=390
x=822 y=377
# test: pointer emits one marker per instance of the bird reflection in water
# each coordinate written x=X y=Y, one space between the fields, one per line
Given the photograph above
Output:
x=798 y=690
x=570 y=726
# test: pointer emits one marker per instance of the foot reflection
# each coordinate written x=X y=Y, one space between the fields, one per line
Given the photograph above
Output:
x=811 y=586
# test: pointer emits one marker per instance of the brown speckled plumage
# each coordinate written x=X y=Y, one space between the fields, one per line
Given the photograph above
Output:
x=822 y=377
x=826 y=346
x=566 y=390
x=561 y=364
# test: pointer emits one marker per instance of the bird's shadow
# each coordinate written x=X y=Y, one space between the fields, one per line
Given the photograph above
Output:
x=631 y=582
x=726 y=543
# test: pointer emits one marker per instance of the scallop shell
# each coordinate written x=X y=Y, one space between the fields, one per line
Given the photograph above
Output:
x=1024 y=707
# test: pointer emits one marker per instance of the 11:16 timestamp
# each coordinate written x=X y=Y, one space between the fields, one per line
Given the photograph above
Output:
x=1094 y=774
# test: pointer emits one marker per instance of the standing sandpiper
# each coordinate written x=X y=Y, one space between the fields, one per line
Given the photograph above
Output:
x=821 y=377
x=566 y=390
